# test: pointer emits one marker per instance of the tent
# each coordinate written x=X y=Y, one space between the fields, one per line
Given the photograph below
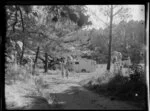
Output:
x=84 y=65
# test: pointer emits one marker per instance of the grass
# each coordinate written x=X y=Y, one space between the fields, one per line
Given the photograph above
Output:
x=20 y=83
x=14 y=72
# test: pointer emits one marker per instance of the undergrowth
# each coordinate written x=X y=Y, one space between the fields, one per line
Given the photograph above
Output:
x=21 y=78
x=131 y=88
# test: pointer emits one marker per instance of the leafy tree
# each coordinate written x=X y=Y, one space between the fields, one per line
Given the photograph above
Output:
x=129 y=36
x=16 y=26
x=58 y=23
x=111 y=12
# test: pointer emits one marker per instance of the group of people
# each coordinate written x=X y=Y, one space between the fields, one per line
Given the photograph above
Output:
x=118 y=62
x=65 y=66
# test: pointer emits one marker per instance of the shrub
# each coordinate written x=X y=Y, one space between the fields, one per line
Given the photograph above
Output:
x=137 y=73
x=131 y=87
x=15 y=72
x=138 y=79
x=26 y=85
x=38 y=82
x=116 y=83
x=125 y=88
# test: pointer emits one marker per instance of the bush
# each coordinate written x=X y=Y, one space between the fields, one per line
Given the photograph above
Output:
x=12 y=72
x=137 y=73
x=38 y=82
x=131 y=87
x=116 y=83
x=138 y=80
x=26 y=86
x=125 y=88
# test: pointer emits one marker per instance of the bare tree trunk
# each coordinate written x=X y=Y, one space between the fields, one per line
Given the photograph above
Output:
x=43 y=60
x=110 y=39
x=35 y=61
x=23 y=29
x=46 y=62
x=16 y=20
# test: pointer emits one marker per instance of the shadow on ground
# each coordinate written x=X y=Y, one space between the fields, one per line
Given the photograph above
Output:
x=71 y=99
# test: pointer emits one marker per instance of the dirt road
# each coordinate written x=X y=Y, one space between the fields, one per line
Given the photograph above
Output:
x=66 y=93
x=76 y=97
x=70 y=94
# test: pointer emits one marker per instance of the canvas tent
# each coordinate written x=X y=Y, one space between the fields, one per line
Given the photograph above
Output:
x=84 y=65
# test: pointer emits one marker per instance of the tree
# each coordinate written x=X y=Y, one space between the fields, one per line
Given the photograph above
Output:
x=22 y=26
x=111 y=12
x=58 y=23
x=129 y=39
x=44 y=33
x=15 y=25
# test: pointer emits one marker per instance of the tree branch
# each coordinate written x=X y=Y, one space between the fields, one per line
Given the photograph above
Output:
x=118 y=11
x=51 y=39
x=41 y=59
x=69 y=41
x=99 y=18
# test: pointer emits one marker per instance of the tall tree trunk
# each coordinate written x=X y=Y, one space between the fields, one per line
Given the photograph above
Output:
x=16 y=20
x=46 y=62
x=23 y=29
x=35 y=61
x=110 y=39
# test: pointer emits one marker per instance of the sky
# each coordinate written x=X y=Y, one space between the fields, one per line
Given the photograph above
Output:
x=137 y=12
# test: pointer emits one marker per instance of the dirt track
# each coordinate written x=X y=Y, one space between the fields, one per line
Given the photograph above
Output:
x=67 y=94
x=77 y=97
x=71 y=95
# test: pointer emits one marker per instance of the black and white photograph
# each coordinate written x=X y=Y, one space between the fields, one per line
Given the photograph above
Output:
x=76 y=57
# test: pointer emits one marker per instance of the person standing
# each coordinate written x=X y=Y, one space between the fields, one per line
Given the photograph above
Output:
x=117 y=61
x=67 y=65
x=62 y=67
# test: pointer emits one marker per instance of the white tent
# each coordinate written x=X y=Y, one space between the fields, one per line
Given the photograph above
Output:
x=84 y=65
